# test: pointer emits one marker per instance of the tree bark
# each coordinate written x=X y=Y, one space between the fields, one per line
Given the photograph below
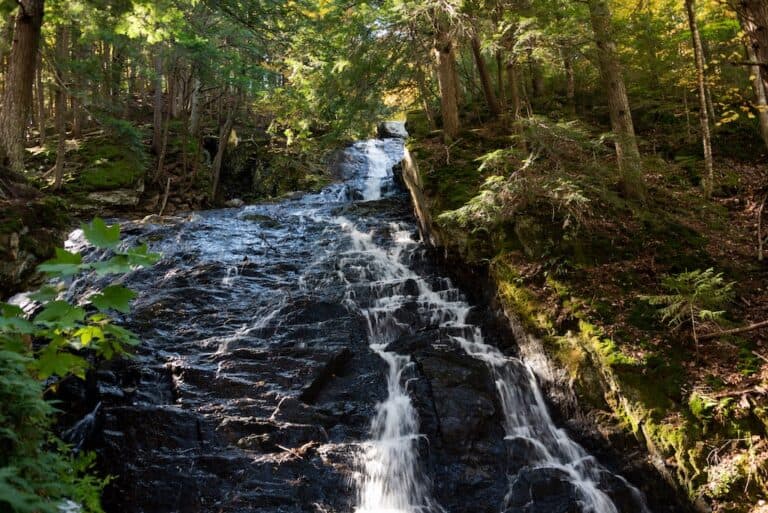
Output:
x=485 y=78
x=514 y=88
x=570 y=80
x=627 y=152
x=157 y=115
x=537 y=79
x=194 y=107
x=500 y=80
x=754 y=14
x=761 y=94
x=426 y=96
x=17 y=97
x=40 y=100
x=224 y=134
x=62 y=43
x=698 y=53
x=445 y=58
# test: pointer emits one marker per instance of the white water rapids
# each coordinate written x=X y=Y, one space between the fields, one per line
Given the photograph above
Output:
x=390 y=479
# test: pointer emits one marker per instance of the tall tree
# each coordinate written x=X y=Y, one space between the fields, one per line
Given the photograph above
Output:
x=756 y=75
x=754 y=15
x=62 y=44
x=485 y=77
x=17 y=97
x=445 y=59
x=698 y=53
x=627 y=151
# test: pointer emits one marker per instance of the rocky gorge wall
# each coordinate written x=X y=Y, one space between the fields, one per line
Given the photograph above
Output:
x=590 y=400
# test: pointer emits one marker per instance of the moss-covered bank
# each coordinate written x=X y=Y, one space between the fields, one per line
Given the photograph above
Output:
x=574 y=296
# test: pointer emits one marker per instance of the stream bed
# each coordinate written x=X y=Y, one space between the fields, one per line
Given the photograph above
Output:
x=310 y=356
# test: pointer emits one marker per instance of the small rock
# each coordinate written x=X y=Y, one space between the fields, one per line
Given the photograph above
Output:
x=235 y=203
x=392 y=130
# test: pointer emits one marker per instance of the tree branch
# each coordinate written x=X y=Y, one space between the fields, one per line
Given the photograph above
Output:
x=734 y=331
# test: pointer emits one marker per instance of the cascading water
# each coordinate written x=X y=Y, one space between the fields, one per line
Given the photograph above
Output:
x=307 y=355
x=390 y=481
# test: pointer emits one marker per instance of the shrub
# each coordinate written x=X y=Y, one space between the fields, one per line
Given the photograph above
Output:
x=695 y=298
x=38 y=472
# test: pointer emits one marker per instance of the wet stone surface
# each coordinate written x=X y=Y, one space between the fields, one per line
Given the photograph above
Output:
x=256 y=386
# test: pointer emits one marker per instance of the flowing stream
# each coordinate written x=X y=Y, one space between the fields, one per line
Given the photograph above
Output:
x=309 y=355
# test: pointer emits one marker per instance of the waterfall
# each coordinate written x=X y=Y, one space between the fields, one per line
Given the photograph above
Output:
x=391 y=481
x=293 y=359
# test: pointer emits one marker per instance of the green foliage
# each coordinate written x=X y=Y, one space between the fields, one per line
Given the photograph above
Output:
x=38 y=474
x=501 y=199
x=694 y=297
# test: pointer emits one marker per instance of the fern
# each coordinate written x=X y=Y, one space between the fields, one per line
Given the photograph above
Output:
x=696 y=298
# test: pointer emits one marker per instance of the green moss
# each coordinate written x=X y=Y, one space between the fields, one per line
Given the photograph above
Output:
x=108 y=165
x=702 y=408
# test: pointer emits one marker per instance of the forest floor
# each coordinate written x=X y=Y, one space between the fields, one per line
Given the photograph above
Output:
x=705 y=409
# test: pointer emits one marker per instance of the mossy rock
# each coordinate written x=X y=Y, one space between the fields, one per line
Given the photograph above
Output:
x=108 y=165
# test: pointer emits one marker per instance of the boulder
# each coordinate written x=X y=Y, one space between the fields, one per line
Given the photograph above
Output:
x=116 y=197
x=392 y=130
x=234 y=203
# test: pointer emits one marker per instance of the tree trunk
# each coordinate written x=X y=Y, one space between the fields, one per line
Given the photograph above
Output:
x=755 y=22
x=17 y=98
x=62 y=43
x=500 y=80
x=40 y=100
x=698 y=53
x=224 y=134
x=761 y=100
x=627 y=152
x=116 y=75
x=157 y=116
x=570 y=80
x=514 y=89
x=166 y=128
x=194 y=108
x=426 y=95
x=445 y=59
x=537 y=80
x=485 y=78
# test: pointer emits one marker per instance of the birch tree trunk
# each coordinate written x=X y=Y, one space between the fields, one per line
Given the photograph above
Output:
x=698 y=53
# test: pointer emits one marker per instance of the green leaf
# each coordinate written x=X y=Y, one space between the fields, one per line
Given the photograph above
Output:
x=115 y=297
x=8 y=310
x=140 y=256
x=46 y=293
x=118 y=264
x=122 y=335
x=100 y=235
x=51 y=362
x=61 y=314
x=16 y=325
x=89 y=333
x=64 y=264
